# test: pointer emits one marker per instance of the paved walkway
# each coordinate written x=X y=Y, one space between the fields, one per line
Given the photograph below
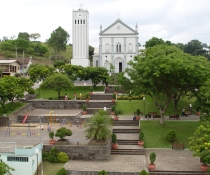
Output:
x=167 y=159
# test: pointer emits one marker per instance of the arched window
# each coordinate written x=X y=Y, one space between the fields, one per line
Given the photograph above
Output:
x=75 y=21
x=118 y=47
x=130 y=48
x=83 y=21
x=78 y=21
x=107 y=48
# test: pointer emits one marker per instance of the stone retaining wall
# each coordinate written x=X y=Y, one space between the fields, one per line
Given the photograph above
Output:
x=100 y=104
x=101 y=97
x=84 y=152
x=72 y=172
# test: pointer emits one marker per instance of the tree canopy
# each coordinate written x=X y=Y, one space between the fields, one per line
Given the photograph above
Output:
x=58 y=39
x=164 y=72
x=58 y=82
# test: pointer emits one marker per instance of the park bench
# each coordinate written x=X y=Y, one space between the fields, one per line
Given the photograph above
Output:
x=175 y=117
x=156 y=116
x=150 y=114
x=178 y=146
x=188 y=113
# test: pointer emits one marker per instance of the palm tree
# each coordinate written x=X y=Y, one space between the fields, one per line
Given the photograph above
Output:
x=99 y=126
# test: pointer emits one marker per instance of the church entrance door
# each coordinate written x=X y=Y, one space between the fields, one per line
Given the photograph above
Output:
x=120 y=67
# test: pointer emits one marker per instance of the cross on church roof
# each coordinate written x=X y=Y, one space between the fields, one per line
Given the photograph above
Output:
x=80 y=6
x=118 y=14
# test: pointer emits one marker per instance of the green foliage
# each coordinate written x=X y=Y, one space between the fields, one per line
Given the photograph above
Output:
x=127 y=97
x=5 y=169
x=141 y=135
x=171 y=136
x=87 y=96
x=154 y=42
x=113 y=108
x=99 y=126
x=114 y=138
x=58 y=39
x=113 y=96
x=200 y=143
x=116 y=112
x=58 y=63
x=45 y=155
x=31 y=90
x=62 y=171
x=138 y=112
x=103 y=172
x=63 y=132
x=91 y=89
x=10 y=107
x=62 y=157
x=58 y=82
x=51 y=134
x=152 y=157
x=143 y=172
x=84 y=107
x=23 y=35
x=53 y=155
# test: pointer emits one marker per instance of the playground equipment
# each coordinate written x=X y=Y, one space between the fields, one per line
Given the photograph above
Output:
x=25 y=130
x=51 y=118
x=25 y=118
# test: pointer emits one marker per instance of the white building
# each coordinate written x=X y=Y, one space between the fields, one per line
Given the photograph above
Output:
x=80 y=37
x=118 y=44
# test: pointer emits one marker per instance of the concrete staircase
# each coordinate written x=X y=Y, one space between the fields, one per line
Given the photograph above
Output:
x=127 y=132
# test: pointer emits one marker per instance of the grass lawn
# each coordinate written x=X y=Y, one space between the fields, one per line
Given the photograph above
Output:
x=154 y=133
x=46 y=93
x=11 y=107
x=127 y=107
x=50 y=168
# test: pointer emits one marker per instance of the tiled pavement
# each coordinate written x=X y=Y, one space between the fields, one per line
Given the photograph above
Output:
x=167 y=159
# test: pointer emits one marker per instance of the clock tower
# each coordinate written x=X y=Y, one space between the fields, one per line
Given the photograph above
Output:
x=80 y=37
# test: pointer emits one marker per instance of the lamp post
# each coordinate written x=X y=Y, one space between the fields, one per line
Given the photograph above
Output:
x=40 y=123
x=37 y=153
x=144 y=104
x=39 y=90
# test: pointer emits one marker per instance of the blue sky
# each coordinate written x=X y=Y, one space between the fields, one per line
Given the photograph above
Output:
x=173 y=20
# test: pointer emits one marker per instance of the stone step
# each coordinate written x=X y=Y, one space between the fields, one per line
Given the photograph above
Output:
x=124 y=122
x=100 y=104
x=155 y=172
x=128 y=151
x=127 y=142
x=101 y=97
x=126 y=130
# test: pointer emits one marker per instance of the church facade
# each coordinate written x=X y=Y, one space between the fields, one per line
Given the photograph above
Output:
x=118 y=44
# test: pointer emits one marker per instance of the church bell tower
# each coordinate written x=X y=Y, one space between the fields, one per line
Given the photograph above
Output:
x=80 y=37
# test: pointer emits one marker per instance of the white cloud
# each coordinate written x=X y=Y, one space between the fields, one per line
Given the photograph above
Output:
x=174 y=20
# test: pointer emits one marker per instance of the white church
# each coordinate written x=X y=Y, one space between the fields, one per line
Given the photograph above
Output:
x=118 y=43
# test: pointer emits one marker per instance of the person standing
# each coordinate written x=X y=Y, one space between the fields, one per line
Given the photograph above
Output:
x=75 y=96
x=66 y=97
x=190 y=108
x=80 y=96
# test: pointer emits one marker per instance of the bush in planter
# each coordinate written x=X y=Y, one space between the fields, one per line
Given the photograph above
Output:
x=53 y=155
x=141 y=135
x=87 y=96
x=171 y=136
x=113 y=108
x=113 y=96
x=51 y=135
x=62 y=171
x=143 y=172
x=84 y=107
x=152 y=157
x=103 y=172
x=116 y=112
x=62 y=157
x=63 y=132
x=114 y=138
x=91 y=89
x=138 y=112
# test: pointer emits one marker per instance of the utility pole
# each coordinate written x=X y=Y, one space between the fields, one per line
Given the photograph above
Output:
x=16 y=51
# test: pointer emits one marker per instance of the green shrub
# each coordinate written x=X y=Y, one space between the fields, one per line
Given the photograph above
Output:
x=62 y=171
x=103 y=172
x=114 y=138
x=113 y=108
x=45 y=155
x=53 y=155
x=141 y=135
x=31 y=90
x=63 y=132
x=152 y=157
x=17 y=74
x=84 y=107
x=51 y=135
x=138 y=112
x=62 y=157
x=143 y=172
x=171 y=136
x=113 y=96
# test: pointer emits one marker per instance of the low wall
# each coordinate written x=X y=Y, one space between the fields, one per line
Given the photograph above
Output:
x=57 y=104
x=100 y=151
x=72 y=172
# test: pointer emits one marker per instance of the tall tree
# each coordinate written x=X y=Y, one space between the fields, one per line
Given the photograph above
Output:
x=58 y=82
x=34 y=36
x=23 y=35
x=195 y=47
x=165 y=71
x=154 y=41
x=91 y=53
x=58 y=39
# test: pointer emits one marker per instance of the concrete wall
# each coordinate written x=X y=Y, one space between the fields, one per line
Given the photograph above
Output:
x=97 y=151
